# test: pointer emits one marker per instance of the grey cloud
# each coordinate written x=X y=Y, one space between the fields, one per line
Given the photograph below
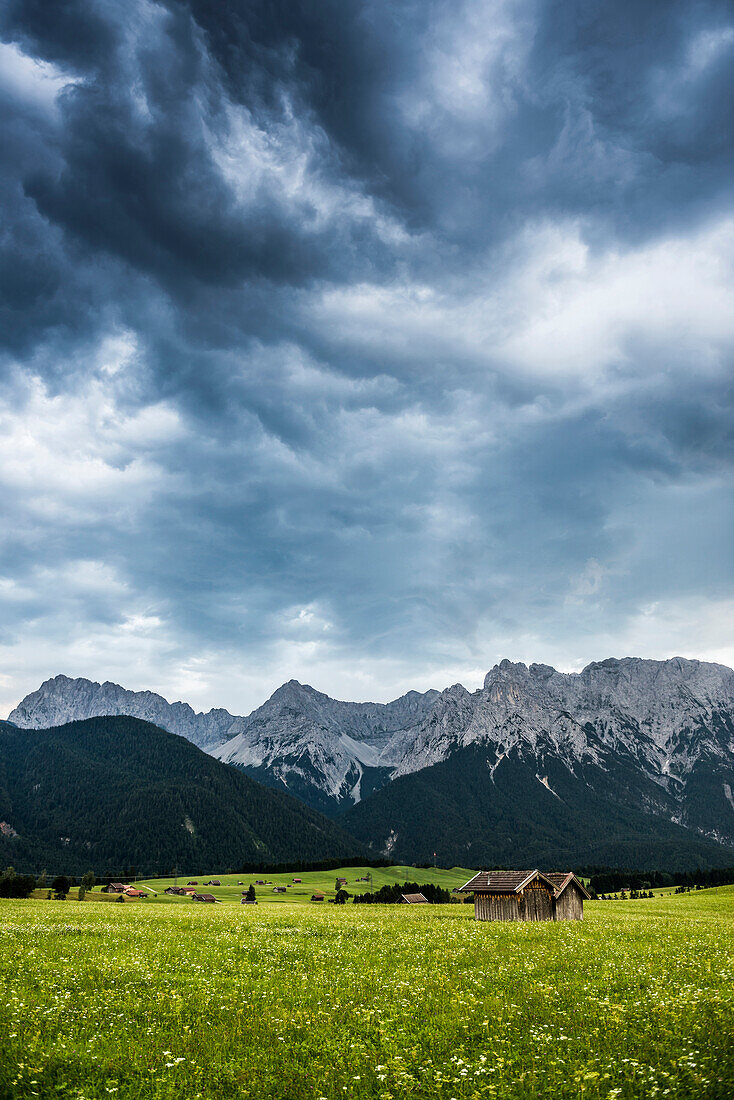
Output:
x=278 y=285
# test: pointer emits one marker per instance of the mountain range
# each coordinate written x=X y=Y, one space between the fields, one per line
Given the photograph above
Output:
x=628 y=762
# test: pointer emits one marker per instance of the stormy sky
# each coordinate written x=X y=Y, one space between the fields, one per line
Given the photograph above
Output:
x=364 y=342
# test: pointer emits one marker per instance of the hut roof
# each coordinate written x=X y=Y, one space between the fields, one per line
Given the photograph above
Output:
x=562 y=879
x=502 y=882
x=203 y=897
x=414 y=899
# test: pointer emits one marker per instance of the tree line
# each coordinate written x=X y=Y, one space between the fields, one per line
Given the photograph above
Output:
x=613 y=881
x=13 y=885
x=392 y=894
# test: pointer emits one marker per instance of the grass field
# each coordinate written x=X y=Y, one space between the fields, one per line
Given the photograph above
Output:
x=293 y=1001
x=312 y=882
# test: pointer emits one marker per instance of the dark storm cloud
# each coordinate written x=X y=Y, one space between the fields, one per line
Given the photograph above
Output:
x=344 y=337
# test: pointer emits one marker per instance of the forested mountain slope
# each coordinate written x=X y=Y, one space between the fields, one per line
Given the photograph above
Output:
x=116 y=792
x=482 y=809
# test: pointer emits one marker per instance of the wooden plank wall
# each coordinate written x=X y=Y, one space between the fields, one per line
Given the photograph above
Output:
x=496 y=907
x=534 y=904
x=570 y=905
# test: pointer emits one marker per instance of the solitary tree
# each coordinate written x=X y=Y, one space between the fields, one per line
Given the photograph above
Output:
x=88 y=880
x=250 y=892
x=61 y=886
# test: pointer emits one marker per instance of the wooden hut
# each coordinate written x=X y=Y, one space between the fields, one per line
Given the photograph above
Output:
x=204 y=897
x=317 y=897
x=413 y=899
x=568 y=900
x=526 y=895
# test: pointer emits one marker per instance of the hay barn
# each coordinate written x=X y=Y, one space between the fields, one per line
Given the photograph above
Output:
x=526 y=895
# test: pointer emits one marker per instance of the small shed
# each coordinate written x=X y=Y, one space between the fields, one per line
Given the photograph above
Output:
x=297 y=880
x=317 y=897
x=132 y=893
x=174 y=890
x=569 y=897
x=193 y=882
x=413 y=899
x=248 y=901
x=203 y=897
x=526 y=895
x=116 y=888
x=279 y=889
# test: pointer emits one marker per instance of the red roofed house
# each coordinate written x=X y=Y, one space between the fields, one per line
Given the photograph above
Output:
x=317 y=897
x=526 y=895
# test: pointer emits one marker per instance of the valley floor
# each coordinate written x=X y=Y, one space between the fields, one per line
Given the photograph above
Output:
x=137 y=1001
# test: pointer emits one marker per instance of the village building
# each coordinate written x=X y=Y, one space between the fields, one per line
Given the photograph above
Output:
x=131 y=892
x=526 y=895
x=413 y=899
x=203 y=897
x=279 y=889
x=317 y=897
x=115 y=888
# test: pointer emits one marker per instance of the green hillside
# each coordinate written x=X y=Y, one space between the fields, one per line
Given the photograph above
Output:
x=312 y=881
x=117 y=793
x=475 y=809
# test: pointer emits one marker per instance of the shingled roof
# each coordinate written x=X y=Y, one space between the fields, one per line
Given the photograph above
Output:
x=502 y=882
x=561 y=880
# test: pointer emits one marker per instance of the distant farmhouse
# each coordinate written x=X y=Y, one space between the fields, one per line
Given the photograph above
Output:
x=526 y=895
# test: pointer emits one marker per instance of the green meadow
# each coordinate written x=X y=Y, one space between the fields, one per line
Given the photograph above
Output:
x=307 y=1001
x=312 y=882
